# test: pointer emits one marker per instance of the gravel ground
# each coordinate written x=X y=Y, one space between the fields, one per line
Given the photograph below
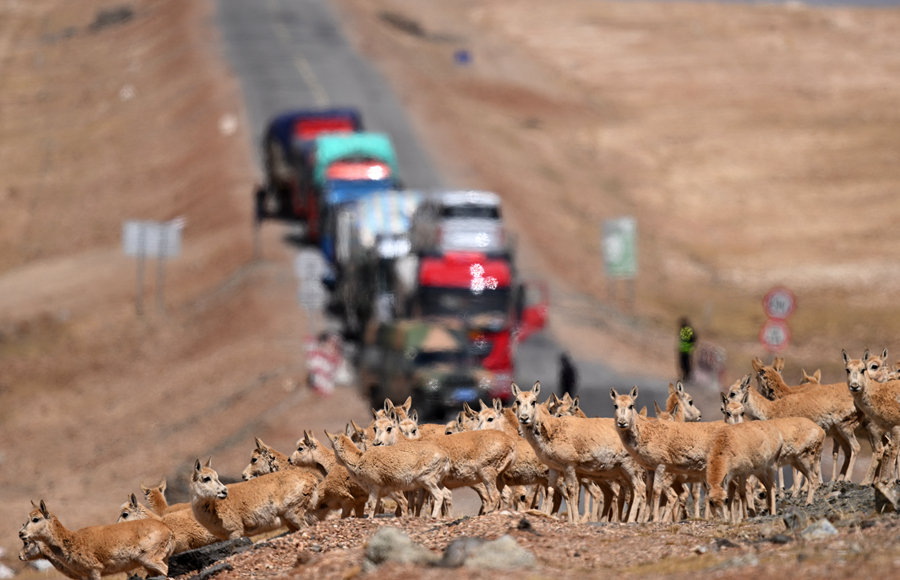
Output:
x=762 y=545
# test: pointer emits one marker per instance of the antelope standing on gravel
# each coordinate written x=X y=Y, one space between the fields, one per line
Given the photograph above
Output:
x=252 y=507
x=879 y=402
x=401 y=467
x=578 y=448
x=98 y=551
x=737 y=452
x=477 y=458
x=663 y=447
x=802 y=448
x=828 y=406
x=528 y=470
x=338 y=490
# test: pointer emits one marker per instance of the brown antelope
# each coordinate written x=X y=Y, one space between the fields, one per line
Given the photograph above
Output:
x=877 y=400
x=98 y=551
x=401 y=467
x=578 y=448
x=246 y=508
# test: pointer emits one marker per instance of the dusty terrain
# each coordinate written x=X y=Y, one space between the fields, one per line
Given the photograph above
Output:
x=757 y=145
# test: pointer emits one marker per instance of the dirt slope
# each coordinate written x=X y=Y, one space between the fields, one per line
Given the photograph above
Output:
x=99 y=125
x=755 y=144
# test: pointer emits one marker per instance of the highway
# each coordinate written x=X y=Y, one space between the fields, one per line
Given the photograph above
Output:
x=293 y=54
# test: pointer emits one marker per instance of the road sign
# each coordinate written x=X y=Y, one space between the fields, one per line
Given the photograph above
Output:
x=620 y=247
x=779 y=303
x=145 y=238
x=775 y=335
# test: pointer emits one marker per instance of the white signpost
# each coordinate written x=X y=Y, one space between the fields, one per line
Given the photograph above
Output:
x=146 y=238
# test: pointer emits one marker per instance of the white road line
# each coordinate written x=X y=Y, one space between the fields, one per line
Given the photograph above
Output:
x=300 y=63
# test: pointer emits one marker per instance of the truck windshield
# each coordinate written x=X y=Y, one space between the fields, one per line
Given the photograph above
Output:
x=463 y=302
x=471 y=211
x=440 y=357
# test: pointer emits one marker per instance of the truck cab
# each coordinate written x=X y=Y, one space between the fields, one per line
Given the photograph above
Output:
x=484 y=294
x=285 y=152
x=427 y=360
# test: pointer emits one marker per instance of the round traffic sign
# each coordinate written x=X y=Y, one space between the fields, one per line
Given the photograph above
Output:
x=779 y=303
x=775 y=335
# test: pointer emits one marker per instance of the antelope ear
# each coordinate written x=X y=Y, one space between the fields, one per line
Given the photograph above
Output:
x=745 y=383
x=818 y=374
x=134 y=502
x=144 y=489
x=675 y=409
x=671 y=388
x=44 y=511
x=392 y=415
x=498 y=405
x=643 y=411
x=866 y=356
x=209 y=462
x=407 y=404
x=162 y=485
x=679 y=388
x=724 y=400
x=537 y=388
x=414 y=416
x=656 y=408
x=197 y=466
x=576 y=401
x=259 y=444
x=515 y=389
x=481 y=405
x=375 y=413
x=722 y=408
x=356 y=427
x=332 y=438
x=613 y=394
x=846 y=358
x=745 y=398
x=884 y=354
x=634 y=391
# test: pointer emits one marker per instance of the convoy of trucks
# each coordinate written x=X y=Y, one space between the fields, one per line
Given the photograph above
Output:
x=425 y=282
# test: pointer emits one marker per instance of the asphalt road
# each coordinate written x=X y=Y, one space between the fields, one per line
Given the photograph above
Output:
x=293 y=54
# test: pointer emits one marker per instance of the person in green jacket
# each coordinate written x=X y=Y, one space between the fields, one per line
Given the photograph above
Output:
x=687 y=340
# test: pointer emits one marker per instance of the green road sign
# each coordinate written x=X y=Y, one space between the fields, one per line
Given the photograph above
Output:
x=620 y=247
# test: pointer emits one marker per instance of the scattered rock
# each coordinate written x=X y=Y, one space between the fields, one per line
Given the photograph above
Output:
x=504 y=553
x=724 y=543
x=780 y=539
x=818 y=530
x=794 y=519
x=770 y=530
x=392 y=545
x=198 y=559
x=459 y=551
x=111 y=17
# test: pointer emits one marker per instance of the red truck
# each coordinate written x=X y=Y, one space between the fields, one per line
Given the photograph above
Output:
x=485 y=293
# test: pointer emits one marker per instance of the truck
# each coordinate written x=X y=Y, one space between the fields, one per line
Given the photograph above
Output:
x=485 y=295
x=286 y=146
x=371 y=235
x=345 y=169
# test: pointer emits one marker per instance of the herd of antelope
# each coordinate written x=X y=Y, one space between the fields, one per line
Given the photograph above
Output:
x=633 y=468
